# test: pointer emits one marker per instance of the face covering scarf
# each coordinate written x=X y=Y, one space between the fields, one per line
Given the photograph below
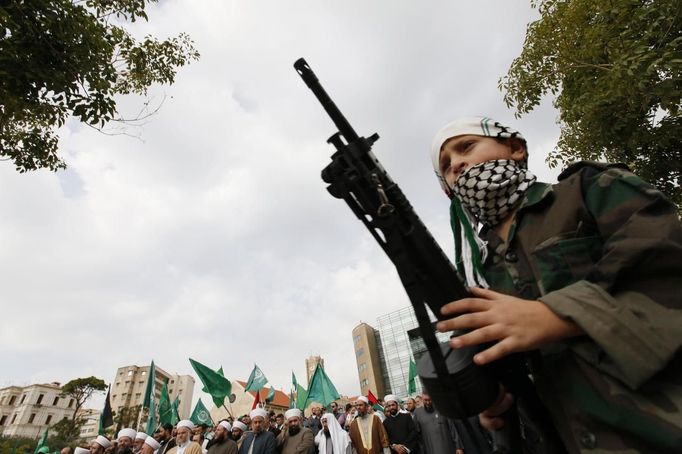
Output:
x=485 y=193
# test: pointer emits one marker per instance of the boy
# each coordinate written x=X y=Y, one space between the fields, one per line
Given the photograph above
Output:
x=585 y=275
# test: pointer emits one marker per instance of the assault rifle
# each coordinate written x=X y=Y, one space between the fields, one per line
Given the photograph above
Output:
x=459 y=388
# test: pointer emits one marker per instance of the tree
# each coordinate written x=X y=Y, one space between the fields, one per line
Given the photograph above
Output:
x=70 y=58
x=615 y=67
x=80 y=390
x=127 y=417
x=66 y=432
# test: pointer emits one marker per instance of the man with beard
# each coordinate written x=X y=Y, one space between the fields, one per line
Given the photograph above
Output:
x=164 y=435
x=259 y=440
x=125 y=441
x=221 y=443
x=439 y=435
x=332 y=439
x=295 y=439
x=140 y=437
x=149 y=446
x=99 y=445
x=402 y=433
x=183 y=444
x=238 y=429
x=366 y=431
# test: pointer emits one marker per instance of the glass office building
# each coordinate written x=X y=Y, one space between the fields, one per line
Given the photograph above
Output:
x=400 y=342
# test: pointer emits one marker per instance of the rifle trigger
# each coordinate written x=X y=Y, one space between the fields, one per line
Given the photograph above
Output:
x=385 y=208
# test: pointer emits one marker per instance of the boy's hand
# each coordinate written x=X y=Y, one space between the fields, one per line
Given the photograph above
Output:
x=516 y=324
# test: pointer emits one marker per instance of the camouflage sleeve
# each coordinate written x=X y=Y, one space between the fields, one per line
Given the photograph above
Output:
x=630 y=304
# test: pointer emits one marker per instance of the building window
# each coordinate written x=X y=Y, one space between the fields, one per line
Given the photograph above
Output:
x=172 y=381
x=3 y=419
x=40 y=399
x=130 y=373
x=56 y=400
x=31 y=418
x=12 y=400
x=14 y=418
x=359 y=352
x=23 y=398
x=364 y=382
x=362 y=367
x=49 y=419
x=113 y=397
x=2 y=400
x=138 y=396
x=356 y=338
x=70 y=403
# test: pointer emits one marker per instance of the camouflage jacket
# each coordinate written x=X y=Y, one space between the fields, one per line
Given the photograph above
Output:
x=603 y=249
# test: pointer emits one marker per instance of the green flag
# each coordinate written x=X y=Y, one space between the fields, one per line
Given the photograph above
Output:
x=301 y=395
x=165 y=410
x=42 y=444
x=151 y=420
x=175 y=414
x=293 y=380
x=271 y=395
x=321 y=389
x=151 y=382
x=200 y=415
x=215 y=384
x=412 y=374
x=256 y=380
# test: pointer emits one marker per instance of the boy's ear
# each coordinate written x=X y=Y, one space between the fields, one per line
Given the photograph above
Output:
x=518 y=148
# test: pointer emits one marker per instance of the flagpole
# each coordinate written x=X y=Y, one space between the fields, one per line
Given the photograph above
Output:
x=228 y=411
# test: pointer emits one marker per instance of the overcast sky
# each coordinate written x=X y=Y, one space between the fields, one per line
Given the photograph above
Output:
x=211 y=235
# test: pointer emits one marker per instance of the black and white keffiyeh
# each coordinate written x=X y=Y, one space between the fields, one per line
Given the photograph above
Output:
x=485 y=193
x=492 y=189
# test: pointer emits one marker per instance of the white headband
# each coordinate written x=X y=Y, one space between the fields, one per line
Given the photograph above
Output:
x=475 y=126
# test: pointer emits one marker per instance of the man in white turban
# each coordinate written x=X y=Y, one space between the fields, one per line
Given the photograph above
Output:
x=222 y=443
x=99 y=445
x=79 y=450
x=332 y=439
x=259 y=440
x=402 y=432
x=149 y=446
x=140 y=437
x=366 y=431
x=238 y=429
x=125 y=440
x=294 y=438
x=183 y=444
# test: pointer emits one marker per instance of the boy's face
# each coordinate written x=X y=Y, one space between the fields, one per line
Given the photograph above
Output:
x=461 y=152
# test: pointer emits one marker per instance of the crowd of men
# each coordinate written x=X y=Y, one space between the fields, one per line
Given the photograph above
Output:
x=413 y=427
